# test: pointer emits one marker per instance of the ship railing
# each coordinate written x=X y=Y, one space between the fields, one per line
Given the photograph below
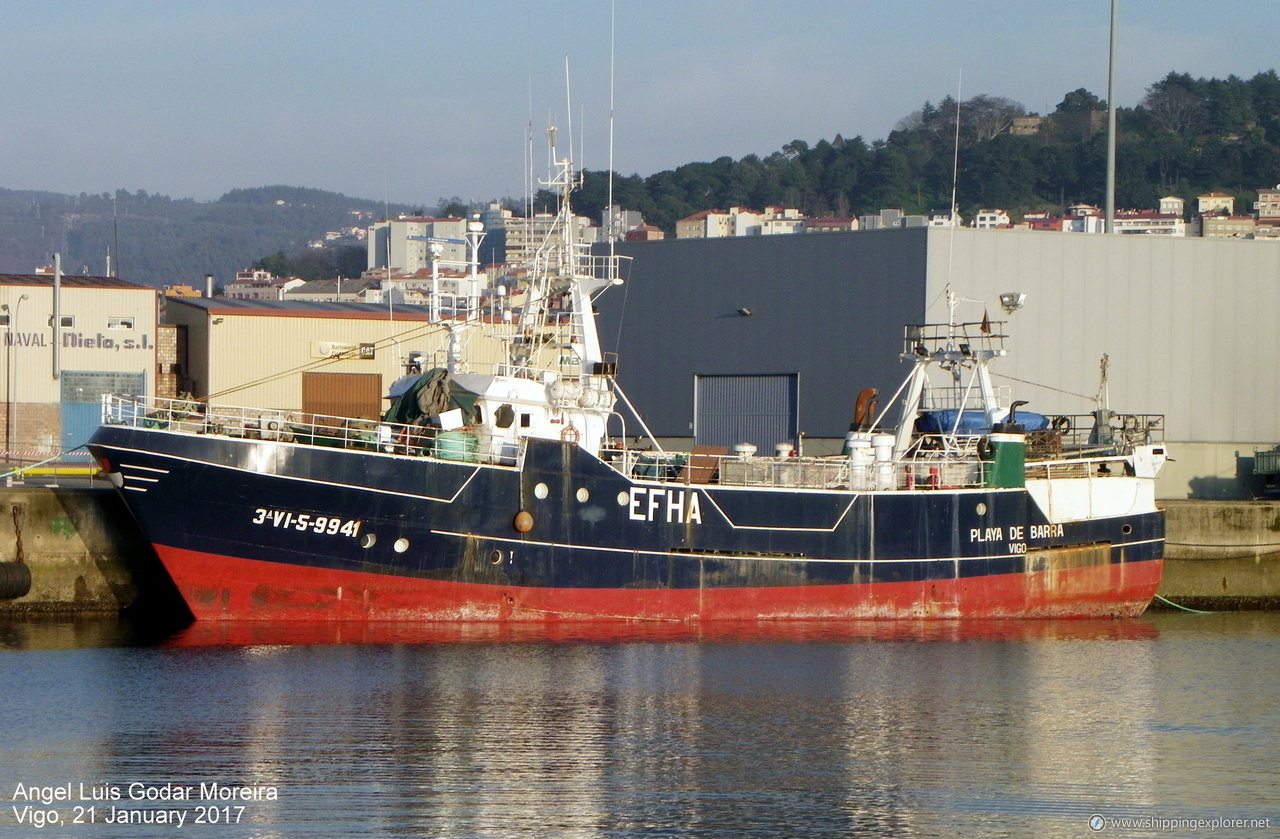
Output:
x=730 y=470
x=1071 y=435
x=935 y=462
x=185 y=416
x=831 y=472
x=1088 y=435
x=961 y=340
x=601 y=267
x=957 y=398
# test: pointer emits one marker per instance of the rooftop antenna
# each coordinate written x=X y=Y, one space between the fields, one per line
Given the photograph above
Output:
x=955 y=152
x=528 y=169
x=951 y=236
x=568 y=106
x=528 y=152
x=115 y=239
x=551 y=143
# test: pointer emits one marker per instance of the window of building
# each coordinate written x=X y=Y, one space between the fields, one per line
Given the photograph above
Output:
x=119 y=323
x=4 y=319
x=65 y=321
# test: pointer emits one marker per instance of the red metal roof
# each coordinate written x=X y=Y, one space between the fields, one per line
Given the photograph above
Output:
x=70 y=281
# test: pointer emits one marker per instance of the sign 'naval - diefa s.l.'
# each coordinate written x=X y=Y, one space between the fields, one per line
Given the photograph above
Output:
x=79 y=341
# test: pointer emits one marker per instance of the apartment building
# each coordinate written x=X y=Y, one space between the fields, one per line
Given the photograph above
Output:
x=401 y=244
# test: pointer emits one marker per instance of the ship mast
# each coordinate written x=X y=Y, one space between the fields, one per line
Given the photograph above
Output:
x=563 y=266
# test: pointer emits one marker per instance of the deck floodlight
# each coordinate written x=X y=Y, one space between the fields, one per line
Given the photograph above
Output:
x=1012 y=301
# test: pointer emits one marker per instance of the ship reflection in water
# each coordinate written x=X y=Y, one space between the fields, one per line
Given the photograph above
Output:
x=241 y=633
x=637 y=730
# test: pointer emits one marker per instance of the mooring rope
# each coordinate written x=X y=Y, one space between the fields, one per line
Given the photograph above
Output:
x=1183 y=608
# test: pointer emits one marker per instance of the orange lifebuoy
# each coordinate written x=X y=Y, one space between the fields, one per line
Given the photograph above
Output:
x=569 y=434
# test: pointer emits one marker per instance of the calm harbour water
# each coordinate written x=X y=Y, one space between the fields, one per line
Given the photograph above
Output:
x=917 y=729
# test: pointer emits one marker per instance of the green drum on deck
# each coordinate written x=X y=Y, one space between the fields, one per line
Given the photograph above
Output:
x=457 y=445
x=1008 y=460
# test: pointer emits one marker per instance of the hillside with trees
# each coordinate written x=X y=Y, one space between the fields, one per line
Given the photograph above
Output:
x=158 y=240
x=1188 y=136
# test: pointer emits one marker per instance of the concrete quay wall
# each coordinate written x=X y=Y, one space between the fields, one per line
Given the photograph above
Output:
x=84 y=551
x=1222 y=554
x=86 y=555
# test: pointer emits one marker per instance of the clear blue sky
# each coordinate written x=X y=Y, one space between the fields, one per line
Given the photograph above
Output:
x=413 y=100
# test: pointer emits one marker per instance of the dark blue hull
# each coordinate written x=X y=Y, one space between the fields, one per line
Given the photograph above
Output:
x=235 y=520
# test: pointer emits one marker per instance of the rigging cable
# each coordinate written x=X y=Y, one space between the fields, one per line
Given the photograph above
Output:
x=415 y=332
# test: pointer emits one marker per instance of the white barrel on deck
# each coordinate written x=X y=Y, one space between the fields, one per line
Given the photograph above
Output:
x=883 y=445
x=860 y=459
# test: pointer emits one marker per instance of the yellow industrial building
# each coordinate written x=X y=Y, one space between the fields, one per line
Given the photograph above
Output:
x=67 y=341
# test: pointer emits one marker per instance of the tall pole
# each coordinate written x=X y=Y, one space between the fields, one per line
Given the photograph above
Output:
x=8 y=384
x=57 y=315
x=1111 y=126
x=391 y=315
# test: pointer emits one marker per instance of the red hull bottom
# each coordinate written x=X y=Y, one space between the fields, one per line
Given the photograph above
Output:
x=226 y=588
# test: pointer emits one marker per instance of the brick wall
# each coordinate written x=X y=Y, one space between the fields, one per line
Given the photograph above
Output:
x=36 y=432
x=171 y=360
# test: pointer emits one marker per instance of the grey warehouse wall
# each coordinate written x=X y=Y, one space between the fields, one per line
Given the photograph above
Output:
x=829 y=307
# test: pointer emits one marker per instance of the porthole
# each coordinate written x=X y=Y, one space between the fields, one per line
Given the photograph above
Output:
x=368 y=540
x=583 y=494
x=624 y=498
x=1126 y=529
x=981 y=509
x=540 y=491
x=496 y=557
x=401 y=545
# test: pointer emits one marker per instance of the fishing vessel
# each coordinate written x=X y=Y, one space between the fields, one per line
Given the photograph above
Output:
x=519 y=484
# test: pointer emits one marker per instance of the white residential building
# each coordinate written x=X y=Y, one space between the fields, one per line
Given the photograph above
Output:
x=1172 y=205
x=1149 y=222
x=1268 y=204
x=1084 y=218
x=1215 y=202
x=885 y=220
x=401 y=244
x=711 y=224
x=619 y=222
x=986 y=219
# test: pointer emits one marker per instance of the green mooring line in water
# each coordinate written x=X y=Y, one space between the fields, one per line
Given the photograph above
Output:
x=1183 y=608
